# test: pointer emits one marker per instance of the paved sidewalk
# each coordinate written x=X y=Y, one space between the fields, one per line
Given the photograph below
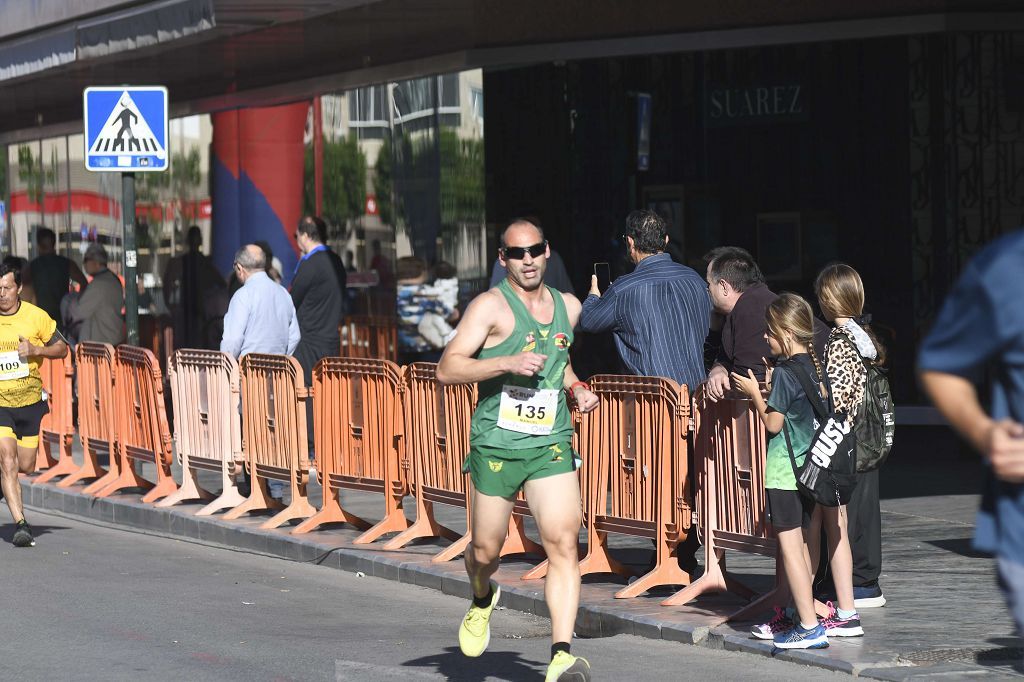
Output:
x=945 y=617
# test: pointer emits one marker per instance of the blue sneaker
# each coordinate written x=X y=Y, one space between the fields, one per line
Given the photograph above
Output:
x=868 y=597
x=799 y=638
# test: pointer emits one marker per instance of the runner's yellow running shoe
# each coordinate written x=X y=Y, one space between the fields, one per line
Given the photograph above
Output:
x=475 y=631
x=568 y=668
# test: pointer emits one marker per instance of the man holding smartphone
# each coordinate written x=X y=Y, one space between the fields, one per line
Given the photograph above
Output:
x=659 y=313
x=513 y=341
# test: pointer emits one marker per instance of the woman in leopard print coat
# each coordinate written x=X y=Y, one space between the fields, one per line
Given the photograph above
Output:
x=854 y=546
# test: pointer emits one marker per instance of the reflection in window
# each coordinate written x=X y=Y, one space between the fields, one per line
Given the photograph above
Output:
x=403 y=175
x=366 y=107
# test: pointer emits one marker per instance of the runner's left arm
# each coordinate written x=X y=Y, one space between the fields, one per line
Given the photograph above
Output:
x=55 y=348
x=586 y=399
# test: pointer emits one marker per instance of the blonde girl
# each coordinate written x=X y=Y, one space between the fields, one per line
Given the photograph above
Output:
x=790 y=336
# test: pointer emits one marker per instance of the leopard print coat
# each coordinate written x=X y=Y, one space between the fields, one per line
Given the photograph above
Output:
x=846 y=372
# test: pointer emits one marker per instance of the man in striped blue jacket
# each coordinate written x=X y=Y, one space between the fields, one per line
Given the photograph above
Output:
x=659 y=313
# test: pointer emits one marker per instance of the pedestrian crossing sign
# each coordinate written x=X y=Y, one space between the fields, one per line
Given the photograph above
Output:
x=126 y=128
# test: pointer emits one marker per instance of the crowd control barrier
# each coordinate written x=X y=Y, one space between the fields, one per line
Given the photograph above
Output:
x=636 y=440
x=57 y=428
x=96 y=415
x=730 y=448
x=359 y=434
x=274 y=436
x=437 y=437
x=370 y=336
x=437 y=422
x=207 y=426
x=143 y=434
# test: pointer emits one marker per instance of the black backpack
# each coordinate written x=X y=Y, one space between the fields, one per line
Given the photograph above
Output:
x=876 y=422
x=829 y=472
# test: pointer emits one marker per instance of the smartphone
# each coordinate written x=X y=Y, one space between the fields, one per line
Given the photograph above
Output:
x=603 y=271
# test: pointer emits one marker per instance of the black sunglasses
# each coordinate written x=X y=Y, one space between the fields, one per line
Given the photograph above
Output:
x=519 y=252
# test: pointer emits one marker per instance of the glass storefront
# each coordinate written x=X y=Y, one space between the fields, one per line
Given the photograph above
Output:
x=403 y=178
x=402 y=191
x=48 y=186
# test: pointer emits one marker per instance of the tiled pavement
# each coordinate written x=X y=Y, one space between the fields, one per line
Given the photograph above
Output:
x=944 y=620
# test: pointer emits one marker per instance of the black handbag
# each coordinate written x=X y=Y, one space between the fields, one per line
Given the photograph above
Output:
x=829 y=472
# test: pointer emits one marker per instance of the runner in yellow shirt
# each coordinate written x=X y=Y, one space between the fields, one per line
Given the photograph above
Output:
x=27 y=335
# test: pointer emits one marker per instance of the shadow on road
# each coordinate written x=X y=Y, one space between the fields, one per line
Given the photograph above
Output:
x=503 y=665
x=7 y=531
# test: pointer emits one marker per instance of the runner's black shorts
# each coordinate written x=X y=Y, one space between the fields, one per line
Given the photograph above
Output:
x=22 y=423
x=789 y=509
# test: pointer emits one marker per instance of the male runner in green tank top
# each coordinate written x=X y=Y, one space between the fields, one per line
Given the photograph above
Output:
x=514 y=342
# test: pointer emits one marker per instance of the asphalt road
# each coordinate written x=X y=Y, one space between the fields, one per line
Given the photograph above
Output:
x=91 y=602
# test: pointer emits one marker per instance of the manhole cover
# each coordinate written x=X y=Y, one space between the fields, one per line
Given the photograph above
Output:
x=975 y=654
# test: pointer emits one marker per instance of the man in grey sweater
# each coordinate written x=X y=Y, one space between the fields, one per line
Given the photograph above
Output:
x=101 y=306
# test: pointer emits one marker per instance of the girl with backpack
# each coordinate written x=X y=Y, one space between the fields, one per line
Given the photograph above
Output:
x=851 y=350
x=788 y=412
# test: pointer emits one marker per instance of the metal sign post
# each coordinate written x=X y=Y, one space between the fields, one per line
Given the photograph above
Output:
x=131 y=291
x=126 y=132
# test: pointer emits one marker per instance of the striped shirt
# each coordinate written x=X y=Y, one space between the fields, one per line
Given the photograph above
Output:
x=659 y=314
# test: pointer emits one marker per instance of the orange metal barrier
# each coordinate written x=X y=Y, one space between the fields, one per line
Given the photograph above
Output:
x=437 y=422
x=57 y=429
x=636 y=442
x=437 y=436
x=359 y=438
x=207 y=425
x=730 y=446
x=96 y=415
x=143 y=434
x=274 y=435
x=370 y=336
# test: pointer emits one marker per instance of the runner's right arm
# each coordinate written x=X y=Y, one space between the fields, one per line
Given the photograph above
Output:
x=458 y=366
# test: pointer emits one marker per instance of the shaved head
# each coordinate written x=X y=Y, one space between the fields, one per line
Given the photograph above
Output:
x=518 y=225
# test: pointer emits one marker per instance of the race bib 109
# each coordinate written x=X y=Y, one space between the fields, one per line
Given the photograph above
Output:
x=12 y=366
x=528 y=410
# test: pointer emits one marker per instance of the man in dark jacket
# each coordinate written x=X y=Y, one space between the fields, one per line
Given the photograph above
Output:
x=740 y=297
x=318 y=292
x=51 y=273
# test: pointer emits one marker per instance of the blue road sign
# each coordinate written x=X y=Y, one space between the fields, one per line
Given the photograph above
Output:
x=126 y=128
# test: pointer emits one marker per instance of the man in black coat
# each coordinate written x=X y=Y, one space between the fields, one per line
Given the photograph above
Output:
x=318 y=292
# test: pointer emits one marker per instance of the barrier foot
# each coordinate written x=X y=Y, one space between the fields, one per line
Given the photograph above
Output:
x=259 y=500
x=598 y=560
x=65 y=467
x=331 y=512
x=189 y=490
x=762 y=603
x=300 y=508
x=43 y=459
x=453 y=550
x=668 y=573
x=517 y=542
x=229 y=497
x=394 y=521
x=127 y=478
x=714 y=579
x=90 y=469
x=425 y=526
x=164 y=487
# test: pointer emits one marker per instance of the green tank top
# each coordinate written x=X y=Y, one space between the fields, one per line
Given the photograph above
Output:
x=552 y=340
